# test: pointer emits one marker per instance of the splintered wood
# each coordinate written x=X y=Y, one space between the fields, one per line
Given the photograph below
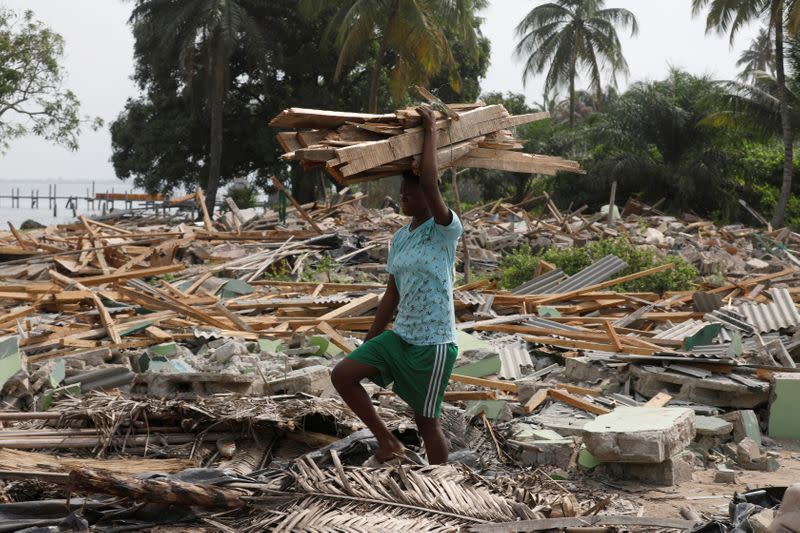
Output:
x=357 y=147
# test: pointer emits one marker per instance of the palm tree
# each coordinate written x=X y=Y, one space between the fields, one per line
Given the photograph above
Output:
x=726 y=16
x=566 y=36
x=184 y=30
x=760 y=57
x=411 y=32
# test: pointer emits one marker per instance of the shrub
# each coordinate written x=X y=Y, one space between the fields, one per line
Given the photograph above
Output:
x=519 y=266
x=244 y=196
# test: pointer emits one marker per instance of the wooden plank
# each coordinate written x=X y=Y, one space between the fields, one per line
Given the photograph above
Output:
x=463 y=396
x=279 y=185
x=336 y=338
x=612 y=334
x=507 y=386
x=583 y=345
x=142 y=273
x=516 y=162
x=233 y=317
x=354 y=308
x=23 y=242
x=200 y=200
x=475 y=123
x=577 y=402
x=299 y=117
x=158 y=334
x=539 y=397
x=288 y=141
x=575 y=389
x=659 y=400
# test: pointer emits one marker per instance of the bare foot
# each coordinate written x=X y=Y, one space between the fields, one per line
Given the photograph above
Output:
x=390 y=449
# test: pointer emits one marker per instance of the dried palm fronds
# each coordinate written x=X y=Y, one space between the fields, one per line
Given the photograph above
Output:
x=430 y=498
x=28 y=461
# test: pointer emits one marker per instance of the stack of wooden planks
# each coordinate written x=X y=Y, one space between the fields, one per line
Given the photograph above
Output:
x=357 y=147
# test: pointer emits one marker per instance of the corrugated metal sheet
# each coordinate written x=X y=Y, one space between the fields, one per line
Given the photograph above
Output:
x=596 y=273
x=780 y=313
x=469 y=298
x=633 y=317
x=705 y=302
x=553 y=282
x=512 y=357
x=540 y=284
x=731 y=318
x=681 y=331
x=539 y=322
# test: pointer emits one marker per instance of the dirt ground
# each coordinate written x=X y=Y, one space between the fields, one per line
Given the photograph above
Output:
x=708 y=498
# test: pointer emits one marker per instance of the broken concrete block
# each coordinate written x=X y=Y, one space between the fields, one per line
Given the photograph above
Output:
x=673 y=471
x=784 y=421
x=563 y=419
x=751 y=456
x=639 y=434
x=555 y=452
x=724 y=475
x=715 y=390
x=224 y=353
x=314 y=380
x=712 y=426
x=745 y=424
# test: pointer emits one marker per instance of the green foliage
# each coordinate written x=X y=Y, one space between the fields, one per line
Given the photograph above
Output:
x=415 y=38
x=32 y=100
x=566 y=37
x=519 y=266
x=326 y=265
x=161 y=139
x=244 y=195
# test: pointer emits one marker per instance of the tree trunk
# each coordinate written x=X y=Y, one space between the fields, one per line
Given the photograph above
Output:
x=376 y=76
x=217 y=99
x=572 y=94
x=788 y=140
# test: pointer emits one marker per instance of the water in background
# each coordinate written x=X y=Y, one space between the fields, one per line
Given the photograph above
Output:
x=43 y=214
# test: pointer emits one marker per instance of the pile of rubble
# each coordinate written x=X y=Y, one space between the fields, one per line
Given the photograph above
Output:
x=184 y=366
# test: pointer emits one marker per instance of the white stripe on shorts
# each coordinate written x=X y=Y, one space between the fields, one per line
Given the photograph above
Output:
x=436 y=381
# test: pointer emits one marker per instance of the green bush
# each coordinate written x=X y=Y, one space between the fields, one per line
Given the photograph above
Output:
x=244 y=196
x=519 y=266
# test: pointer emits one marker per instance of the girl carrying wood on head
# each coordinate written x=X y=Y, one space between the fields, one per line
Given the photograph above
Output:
x=419 y=354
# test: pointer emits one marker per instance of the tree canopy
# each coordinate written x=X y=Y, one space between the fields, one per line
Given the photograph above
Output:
x=32 y=97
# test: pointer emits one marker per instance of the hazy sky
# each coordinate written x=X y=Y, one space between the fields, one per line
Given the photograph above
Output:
x=99 y=63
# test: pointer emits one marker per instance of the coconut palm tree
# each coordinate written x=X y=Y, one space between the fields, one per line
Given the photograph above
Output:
x=726 y=16
x=567 y=36
x=411 y=33
x=759 y=57
x=185 y=30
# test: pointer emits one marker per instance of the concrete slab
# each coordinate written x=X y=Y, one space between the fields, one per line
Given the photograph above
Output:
x=639 y=434
x=784 y=422
x=712 y=426
x=314 y=380
x=674 y=471
x=717 y=390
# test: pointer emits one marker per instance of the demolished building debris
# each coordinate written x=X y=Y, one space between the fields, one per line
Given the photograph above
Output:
x=186 y=367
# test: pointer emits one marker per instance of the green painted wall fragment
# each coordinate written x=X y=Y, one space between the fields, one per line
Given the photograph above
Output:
x=10 y=359
x=784 y=422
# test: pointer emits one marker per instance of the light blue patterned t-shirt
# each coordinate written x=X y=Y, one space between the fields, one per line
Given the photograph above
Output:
x=421 y=262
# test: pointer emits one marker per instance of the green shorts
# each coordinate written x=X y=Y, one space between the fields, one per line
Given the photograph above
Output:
x=419 y=373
